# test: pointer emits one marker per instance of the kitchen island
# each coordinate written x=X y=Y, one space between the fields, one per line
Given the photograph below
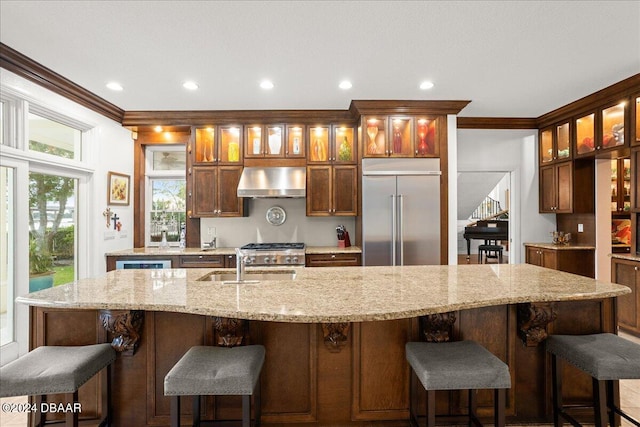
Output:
x=334 y=336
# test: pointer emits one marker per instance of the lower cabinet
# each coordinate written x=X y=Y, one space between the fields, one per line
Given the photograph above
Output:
x=627 y=273
x=576 y=261
x=179 y=261
x=333 y=260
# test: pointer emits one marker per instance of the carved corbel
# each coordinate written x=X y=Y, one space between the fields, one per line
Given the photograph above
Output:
x=335 y=335
x=126 y=328
x=437 y=327
x=532 y=322
x=229 y=332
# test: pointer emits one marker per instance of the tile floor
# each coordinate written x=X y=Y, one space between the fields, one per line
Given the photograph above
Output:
x=629 y=396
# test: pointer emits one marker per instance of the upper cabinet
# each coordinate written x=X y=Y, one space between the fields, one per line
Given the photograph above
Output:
x=332 y=144
x=635 y=116
x=399 y=136
x=602 y=130
x=269 y=141
x=216 y=145
x=555 y=143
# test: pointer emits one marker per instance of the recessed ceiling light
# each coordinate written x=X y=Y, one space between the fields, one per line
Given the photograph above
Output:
x=426 y=85
x=266 y=84
x=115 y=86
x=190 y=85
x=345 y=84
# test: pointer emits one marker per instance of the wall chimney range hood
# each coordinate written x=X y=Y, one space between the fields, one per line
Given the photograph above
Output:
x=272 y=182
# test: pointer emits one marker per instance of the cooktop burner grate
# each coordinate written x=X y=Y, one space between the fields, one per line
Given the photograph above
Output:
x=273 y=246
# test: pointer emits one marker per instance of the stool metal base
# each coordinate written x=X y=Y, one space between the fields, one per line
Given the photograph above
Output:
x=499 y=402
x=604 y=397
x=246 y=410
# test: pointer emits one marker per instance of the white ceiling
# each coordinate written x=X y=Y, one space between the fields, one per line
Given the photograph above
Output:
x=511 y=59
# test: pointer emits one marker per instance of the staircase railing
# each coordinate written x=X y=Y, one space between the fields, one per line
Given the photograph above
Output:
x=488 y=208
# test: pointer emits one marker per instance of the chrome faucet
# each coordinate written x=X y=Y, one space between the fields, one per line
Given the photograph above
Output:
x=241 y=261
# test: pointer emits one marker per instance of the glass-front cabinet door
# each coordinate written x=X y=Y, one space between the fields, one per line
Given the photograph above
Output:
x=343 y=147
x=205 y=149
x=319 y=144
x=230 y=143
x=425 y=139
x=612 y=126
x=635 y=117
x=585 y=134
x=546 y=146
x=374 y=134
x=400 y=144
x=563 y=142
x=253 y=141
x=295 y=141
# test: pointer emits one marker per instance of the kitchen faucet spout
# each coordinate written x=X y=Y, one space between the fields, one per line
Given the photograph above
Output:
x=241 y=260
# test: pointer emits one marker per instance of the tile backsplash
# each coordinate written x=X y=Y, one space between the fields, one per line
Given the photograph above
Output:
x=314 y=231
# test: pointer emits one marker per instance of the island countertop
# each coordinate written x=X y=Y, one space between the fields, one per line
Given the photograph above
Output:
x=339 y=294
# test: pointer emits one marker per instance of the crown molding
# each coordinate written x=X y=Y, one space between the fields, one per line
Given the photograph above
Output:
x=31 y=70
x=497 y=123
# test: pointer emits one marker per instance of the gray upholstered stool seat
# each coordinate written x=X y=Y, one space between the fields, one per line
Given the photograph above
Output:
x=462 y=365
x=216 y=371
x=56 y=369
x=606 y=358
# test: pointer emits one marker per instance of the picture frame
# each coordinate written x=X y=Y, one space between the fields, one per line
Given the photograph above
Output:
x=118 y=188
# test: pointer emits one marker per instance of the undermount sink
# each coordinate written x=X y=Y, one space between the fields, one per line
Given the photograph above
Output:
x=249 y=276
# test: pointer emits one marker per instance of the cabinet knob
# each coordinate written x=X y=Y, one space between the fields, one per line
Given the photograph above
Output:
x=635 y=268
x=334 y=255
x=200 y=256
x=416 y=151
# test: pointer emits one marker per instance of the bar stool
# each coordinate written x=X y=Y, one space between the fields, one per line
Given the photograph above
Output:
x=57 y=369
x=484 y=252
x=461 y=365
x=607 y=358
x=206 y=370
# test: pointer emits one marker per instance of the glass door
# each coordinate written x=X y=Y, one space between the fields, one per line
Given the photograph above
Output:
x=52 y=230
x=7 y=255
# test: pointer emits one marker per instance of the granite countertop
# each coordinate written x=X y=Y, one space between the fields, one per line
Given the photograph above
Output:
x=562 y=247
x=330 y=294
x=222 y=251
x=629 y=257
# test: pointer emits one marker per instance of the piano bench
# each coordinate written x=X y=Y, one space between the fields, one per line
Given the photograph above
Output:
x=485 y=252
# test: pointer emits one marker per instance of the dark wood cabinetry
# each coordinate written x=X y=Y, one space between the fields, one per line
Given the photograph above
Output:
x=333 y=260
x=332 y=190
x=621 y=186
x=555 y=143
x=178 y=261
x=577 y=261
x=568 y=187
x=627 y=272
x=214 y=192
x=602 y=130
x=399 y=136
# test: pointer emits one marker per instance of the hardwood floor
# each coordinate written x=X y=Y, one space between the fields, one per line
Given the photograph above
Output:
x=629 y=399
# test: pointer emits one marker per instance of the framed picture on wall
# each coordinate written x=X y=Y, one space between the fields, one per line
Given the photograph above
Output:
x=118 y=185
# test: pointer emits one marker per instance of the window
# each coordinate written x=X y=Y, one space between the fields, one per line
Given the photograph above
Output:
x=166 y=194
x=53 y=138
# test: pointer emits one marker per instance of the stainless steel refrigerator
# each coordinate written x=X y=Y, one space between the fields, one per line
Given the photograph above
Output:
x=400 y=211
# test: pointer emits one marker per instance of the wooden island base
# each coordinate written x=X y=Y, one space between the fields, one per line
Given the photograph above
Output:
x=326 y=374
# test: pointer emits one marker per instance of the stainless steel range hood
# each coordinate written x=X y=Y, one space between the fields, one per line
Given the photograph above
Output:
x=273 y=182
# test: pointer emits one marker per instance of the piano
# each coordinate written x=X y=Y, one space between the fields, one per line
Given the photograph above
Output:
x=486 y=230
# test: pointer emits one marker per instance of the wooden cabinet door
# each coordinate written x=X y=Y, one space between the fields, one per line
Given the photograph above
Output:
x=626 y=273
x=547 y=189
x=532 y=256
x=319 y=190
x=203 y=191
x=549 y=259
x=229 y=204
x=201 y=261
x=345 y=190
x=564 y=187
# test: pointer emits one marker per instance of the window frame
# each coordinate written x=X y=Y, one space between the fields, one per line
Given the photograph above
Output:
x=151 y=175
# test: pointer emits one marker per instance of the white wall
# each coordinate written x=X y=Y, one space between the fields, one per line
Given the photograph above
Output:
x=109 y=148
x=512 y=151
x=314 y=231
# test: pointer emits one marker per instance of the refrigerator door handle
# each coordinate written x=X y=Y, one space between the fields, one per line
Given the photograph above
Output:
x=394 y=222
x=401 y=226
